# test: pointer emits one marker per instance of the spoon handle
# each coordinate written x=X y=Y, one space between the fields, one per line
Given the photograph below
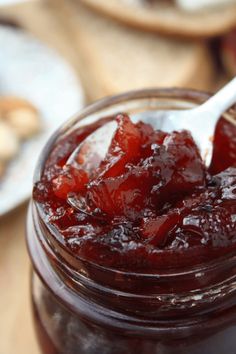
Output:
x=222 y=100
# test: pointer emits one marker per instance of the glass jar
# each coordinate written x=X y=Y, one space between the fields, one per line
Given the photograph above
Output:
x=83 y=308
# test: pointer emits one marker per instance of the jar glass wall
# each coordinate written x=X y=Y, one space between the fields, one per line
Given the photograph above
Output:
x=80 y=307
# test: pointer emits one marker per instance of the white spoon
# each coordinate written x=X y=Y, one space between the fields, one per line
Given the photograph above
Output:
x=200 y=121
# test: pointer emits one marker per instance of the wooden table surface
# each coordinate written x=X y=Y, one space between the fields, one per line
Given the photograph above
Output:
x=16 y=328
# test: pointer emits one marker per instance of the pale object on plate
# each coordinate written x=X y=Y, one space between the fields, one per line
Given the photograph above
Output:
x=10 y=103
x=25 y=122
x=9 y=142
x=194 y=5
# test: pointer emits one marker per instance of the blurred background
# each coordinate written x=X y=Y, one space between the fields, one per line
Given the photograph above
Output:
x=57 y=56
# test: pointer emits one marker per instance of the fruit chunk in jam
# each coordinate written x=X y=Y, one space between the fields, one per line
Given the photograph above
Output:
x=151 y=199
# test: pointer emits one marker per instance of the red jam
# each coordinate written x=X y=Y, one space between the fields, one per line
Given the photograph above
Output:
x=152 y=202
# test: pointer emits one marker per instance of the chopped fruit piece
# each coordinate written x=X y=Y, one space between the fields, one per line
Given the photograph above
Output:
x=123 y=195
x=127 y=137
x=69 y=180
x=125 y=147
x=157 y=230
x=224 y=152
x=189 y=171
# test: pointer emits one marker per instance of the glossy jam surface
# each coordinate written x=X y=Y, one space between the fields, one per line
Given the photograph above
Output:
x=152 y=203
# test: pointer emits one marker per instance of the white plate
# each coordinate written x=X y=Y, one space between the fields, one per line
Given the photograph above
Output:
x=33 y=71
